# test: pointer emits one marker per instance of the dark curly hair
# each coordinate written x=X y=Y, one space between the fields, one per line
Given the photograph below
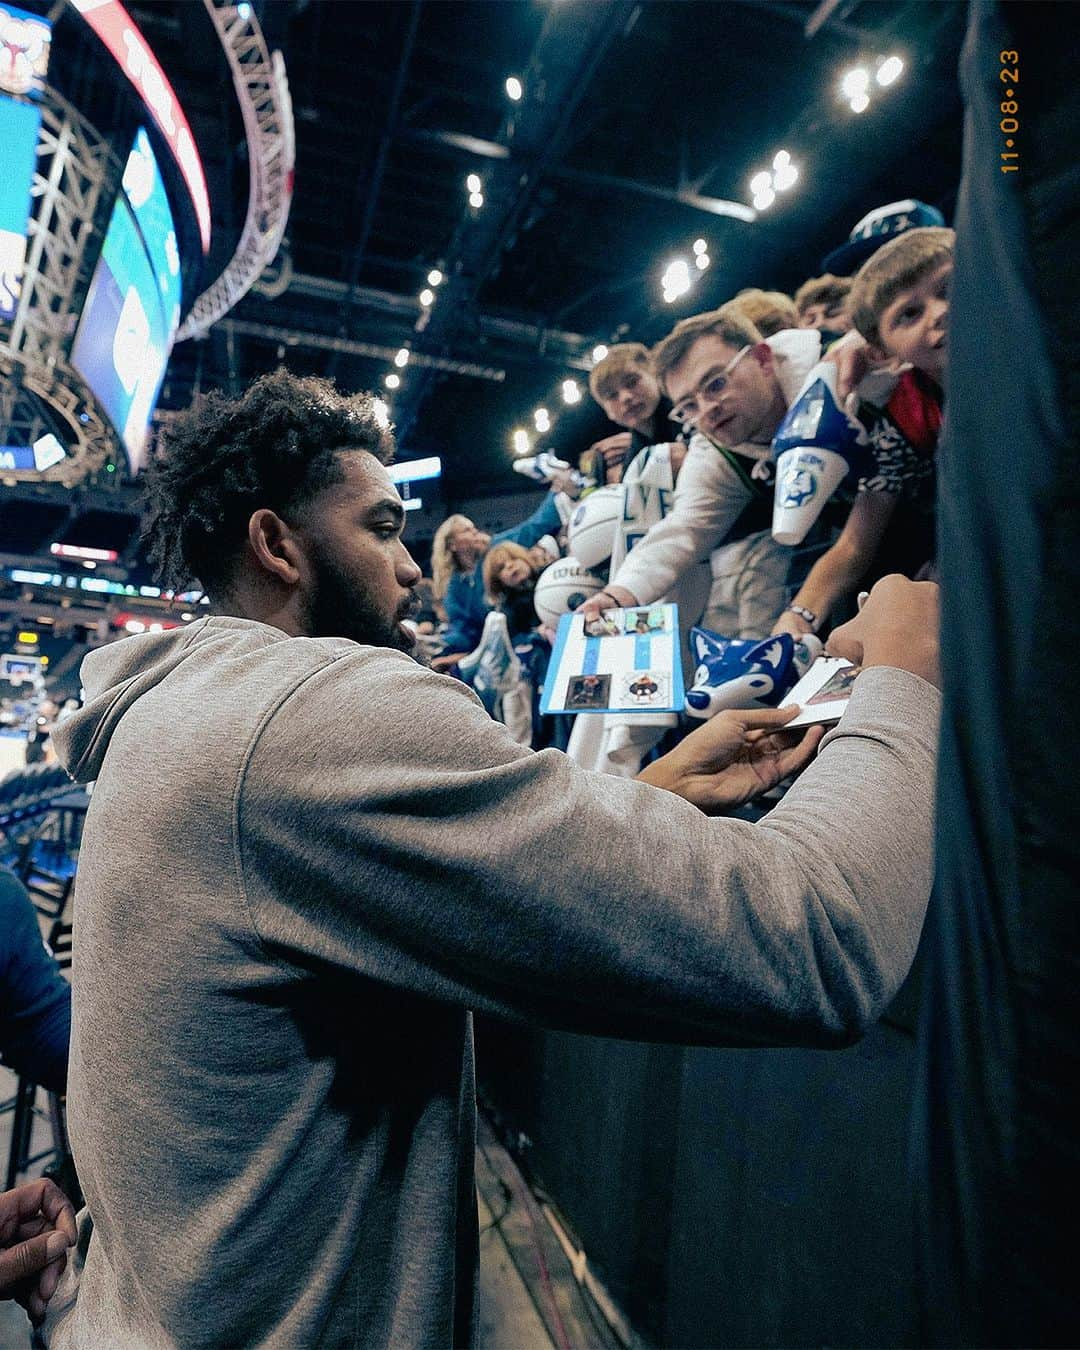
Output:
x=275 y=446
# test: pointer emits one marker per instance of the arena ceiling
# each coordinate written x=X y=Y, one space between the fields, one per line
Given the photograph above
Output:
x=636 y=119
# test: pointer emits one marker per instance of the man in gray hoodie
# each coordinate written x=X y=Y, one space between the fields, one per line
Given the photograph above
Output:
x=307 y=858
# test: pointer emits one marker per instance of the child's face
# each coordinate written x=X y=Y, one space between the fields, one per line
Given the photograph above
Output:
x=515 y=572
x=915 y=326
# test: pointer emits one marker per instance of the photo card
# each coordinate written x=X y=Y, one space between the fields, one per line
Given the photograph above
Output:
x=823 y=692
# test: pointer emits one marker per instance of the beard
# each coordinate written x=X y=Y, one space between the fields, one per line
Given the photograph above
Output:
x=341 y=608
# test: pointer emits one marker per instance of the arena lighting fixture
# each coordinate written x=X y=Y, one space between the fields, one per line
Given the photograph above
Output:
x=780 y=159
x=243 y=9
x=860 y=103
x=472 y=183
x=761 y=182
x=392 y=381
x=700 y=246
x=401 y=360
x=764 y=199
x=427 y=297
x=435 y=277
x=701 y=261
x=785 y=177
x=571 y=391
x=856 y=81
x=542 y=418
x=599 y=352
x=476 y=199
x=187 y=617
x=521 y=442
x=676 y=279
x=890 y=69
x=514 y=89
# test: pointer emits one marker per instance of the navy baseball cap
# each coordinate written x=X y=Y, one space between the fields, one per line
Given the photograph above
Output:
x=877 y=227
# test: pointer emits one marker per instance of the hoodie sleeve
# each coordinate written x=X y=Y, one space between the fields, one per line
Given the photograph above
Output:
x=387 y=826
x=709 y=498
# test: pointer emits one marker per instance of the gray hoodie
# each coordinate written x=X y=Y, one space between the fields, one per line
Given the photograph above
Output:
x=304 y=860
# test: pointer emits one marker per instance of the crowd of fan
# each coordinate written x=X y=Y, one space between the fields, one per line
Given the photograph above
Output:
x=697 y=414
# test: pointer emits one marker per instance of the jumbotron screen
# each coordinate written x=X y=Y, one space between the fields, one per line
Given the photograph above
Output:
x=132 y=310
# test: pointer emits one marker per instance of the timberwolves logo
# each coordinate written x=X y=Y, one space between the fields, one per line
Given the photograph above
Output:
x=797 y=486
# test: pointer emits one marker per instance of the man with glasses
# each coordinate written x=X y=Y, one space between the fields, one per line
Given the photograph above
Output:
x=731 y=389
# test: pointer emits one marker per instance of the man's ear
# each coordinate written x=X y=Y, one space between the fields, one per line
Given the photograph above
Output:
x=763 y=355
x=274 y=546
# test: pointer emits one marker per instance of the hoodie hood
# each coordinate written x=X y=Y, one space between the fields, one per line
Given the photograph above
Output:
x=116 y=676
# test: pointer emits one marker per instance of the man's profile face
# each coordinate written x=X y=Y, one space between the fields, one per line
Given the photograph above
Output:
x=633 y=400
x=746 y=410
x=361 y=575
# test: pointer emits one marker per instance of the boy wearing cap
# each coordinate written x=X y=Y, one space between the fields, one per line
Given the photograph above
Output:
x=899 y=305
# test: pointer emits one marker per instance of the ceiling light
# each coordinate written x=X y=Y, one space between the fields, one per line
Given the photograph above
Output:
x=392 y=381
x=542 y=418
x=514 y=88
x=889 y=70
x=700 y=246
x=402 y=358
x=761 y=182
x=521 y=442
x=476 y=199
x=427 y=297
x=780 y=159
x=571 y=391
x=599 y=352
x=784 y=177
x=764 y=199
x=676 y=279
x=473 y=182
x=860 y=103
x=856 y=81
x=702 y=261
x=435 y=277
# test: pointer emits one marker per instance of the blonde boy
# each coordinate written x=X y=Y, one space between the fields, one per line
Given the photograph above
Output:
x=899 y=306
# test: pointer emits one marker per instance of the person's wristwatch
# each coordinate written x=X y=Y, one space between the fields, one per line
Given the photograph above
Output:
x=807 y=615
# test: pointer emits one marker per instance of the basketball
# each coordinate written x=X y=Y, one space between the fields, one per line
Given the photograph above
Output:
x=591 y=532
x=563 y=586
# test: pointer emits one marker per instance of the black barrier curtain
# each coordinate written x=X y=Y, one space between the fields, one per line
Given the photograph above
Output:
x=995 y=1135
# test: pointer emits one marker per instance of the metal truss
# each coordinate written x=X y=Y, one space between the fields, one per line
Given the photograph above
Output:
x=263 y=93
x=75 y=178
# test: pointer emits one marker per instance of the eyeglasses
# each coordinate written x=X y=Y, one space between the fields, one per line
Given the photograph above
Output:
x=687 y=411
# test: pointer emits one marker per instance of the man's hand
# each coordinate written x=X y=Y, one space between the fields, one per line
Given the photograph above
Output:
x=613 y=449
x=447 y=660
x=897 y=626
x=792 y=623
x=733 y=758
x=853 y=357
x=37 y=1226
x=612 y=597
